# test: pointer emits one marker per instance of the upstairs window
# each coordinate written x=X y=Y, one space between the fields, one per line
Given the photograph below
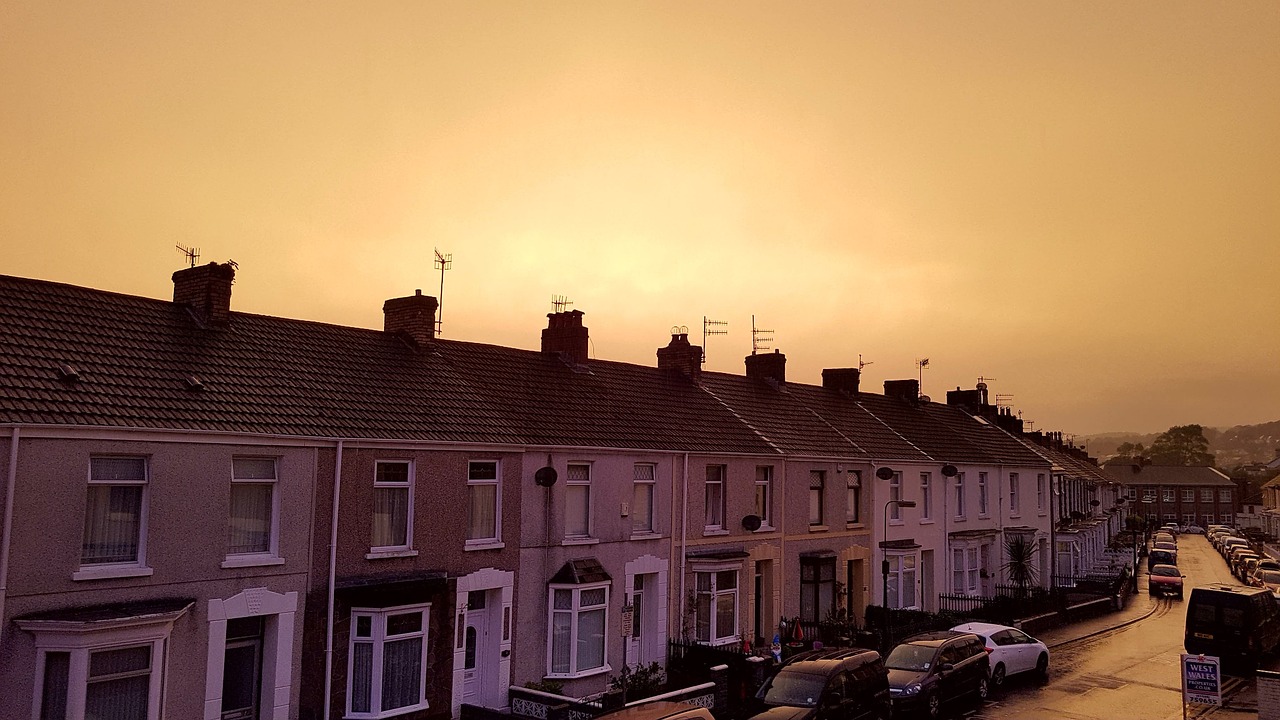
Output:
x=817 y=492
x=642 y=498
x=483 y=502
x=1224 y=496
x=577 y=491
x=714 y=497
x=984 y=507
x=1014 y=500
x=115 y=514
x=764 y=494
x=895 y=495
x=960 y=509
x=1166 y=495
x=392 y=504
x=253 y=506
x=1040 y=490
x=1206 y=494
x=926 y=496
x=1188 y=495
x=853 y=498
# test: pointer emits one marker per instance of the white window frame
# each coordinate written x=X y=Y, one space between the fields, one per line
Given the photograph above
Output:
x=1148 y=495
x=1188 y=518
x=1132 y=494
x=1040 y=492
x=853 y=498
x=1167 y=495
x=272 y=552
x=960 y=505
x=764 y=495
x=900 y=573
x=80 y=642
x=1188 y=495
x=407 y=547
x=715 y=508
x=644 y=482
x=926 y=497
x=818 y=514
x=378 y=640
x=1224 y=495
x=895 y=496
x=131 y=568
x=965 y=570
x=495 y=482
x=714 y=632
x=1015 y=501
x=1206 y=495
x=580 y=483
x=984 y=496
x=574 y=611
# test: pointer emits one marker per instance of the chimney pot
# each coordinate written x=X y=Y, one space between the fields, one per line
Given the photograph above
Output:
x=772 y=366
x=681 y=357
x=842 y=379
x=566 y=335
x=907 y=390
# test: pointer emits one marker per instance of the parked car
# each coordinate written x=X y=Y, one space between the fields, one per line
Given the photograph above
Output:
x=937 y=670
x=1192 y=530
x=1011 y=651
x=827 y=685
x=1268 y=563
x=1237 y=624
x=1163 y=545
x=1232 y=542
x=1245 y=568
x=660 y=710
x=1165 y=580
x=1165 y=536
x=1235 y=555
x=1161 y=557
x=1266 y=578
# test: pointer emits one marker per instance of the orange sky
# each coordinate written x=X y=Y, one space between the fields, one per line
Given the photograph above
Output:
x=1081 y=200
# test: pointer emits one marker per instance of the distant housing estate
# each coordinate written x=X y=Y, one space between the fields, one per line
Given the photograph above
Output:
x=213 y=514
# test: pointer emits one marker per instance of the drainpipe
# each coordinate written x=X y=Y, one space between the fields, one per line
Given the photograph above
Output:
x=8 y=524
x=333 y=572
x=684 y=538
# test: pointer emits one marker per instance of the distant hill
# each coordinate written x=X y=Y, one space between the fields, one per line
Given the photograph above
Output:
x=1232 y=446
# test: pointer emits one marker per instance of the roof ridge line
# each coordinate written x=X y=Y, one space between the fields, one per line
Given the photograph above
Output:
x=767 y=440
x=895 y=432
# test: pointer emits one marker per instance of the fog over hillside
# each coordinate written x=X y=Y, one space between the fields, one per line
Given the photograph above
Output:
x=1233 y=446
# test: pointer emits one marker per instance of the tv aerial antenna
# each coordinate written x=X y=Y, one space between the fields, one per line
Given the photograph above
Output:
x=863 y=363
x=921 y=364
x=760 y=339
x=442 y=262
x=711 y=327
x=1003 y=400
x=192 y=253
x=560 y=302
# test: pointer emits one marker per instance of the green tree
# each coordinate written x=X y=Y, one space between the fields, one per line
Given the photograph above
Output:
x=1181 y=445
x=1133 y=451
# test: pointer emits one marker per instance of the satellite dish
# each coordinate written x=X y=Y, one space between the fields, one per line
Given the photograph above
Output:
x=885 y=473
x=545 y=477
x=950 y=471
x=751 y=523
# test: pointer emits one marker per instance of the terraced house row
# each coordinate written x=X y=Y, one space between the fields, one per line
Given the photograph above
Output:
x=213 y=514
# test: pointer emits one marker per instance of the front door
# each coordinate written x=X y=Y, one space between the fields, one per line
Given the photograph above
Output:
x=242 y=669
x=476 y=663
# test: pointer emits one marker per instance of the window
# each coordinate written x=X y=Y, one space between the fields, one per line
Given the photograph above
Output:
x=1188 y=519
x=253 y=506
x=964 y=570
x=579 y=615
x=642 y=482
x=1224 y=496
x=895 y=495
x=1206 y=494
x=926 y=496
x=715 y=617
x=115 y=514
x=1014 y=500
x=483 y=503
x=764 y=495
x=1040 y=492
x=817 y=588
x=960 y=496
x=118 y=683
x=387 y=667
x=1166 y=494
x=714 y=496
x=577 y=498
x=983 y=507
x=902 y=581
x=817 y=488
x=1188 y=495
x=853 y=498
x=1132 y=493
x=1148 y=495
x=392 y=504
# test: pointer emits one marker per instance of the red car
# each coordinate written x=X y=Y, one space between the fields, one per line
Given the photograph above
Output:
x=1165 y=580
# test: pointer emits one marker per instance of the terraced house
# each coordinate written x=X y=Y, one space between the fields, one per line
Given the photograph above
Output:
x=216 y=514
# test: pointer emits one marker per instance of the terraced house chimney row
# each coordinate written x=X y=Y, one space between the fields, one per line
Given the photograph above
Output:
x=413 y=316
x=767 y=366
x=681 y=357
x=206 y=289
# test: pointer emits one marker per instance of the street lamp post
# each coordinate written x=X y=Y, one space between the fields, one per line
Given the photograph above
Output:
x=884 y=564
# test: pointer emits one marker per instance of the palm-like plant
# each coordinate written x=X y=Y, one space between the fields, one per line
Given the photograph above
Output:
x=1020 y=565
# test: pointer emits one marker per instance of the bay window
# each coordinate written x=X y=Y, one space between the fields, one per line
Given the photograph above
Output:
x=387 y=663
x=579 y=619
x=716 y=606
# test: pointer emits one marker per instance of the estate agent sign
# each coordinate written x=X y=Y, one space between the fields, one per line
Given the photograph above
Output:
x=1201 y=680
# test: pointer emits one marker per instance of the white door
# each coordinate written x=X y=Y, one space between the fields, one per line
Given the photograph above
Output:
x=474 y=665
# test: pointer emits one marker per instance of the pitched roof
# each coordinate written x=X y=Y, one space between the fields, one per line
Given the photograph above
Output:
x=1168 y=475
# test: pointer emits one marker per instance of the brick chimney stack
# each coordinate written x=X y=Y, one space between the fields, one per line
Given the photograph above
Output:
x=842 y=379
x=565 y=335
x=681 y=357
x=413 y=317
x=906 y=390
x=768 y=366
x=206 y=289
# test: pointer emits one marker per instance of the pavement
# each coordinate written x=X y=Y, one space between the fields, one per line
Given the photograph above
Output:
x=1140 y=605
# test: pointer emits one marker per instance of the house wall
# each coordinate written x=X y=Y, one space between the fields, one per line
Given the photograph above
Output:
x=187 y=503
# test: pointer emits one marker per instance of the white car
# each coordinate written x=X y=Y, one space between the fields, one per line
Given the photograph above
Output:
x=1011 y=651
